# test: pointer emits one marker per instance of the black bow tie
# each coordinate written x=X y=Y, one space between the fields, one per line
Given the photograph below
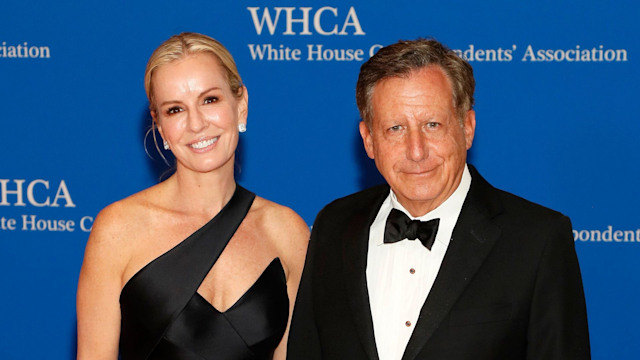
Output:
x=400 y=226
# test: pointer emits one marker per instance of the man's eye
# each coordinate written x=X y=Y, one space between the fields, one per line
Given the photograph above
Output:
x=174 y=110
x=433 y=125
x=395 y=128
x=210 y=99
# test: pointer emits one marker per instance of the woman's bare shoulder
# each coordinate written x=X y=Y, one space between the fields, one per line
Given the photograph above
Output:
x=284 y=229
x=122 y=214
x=115 y=224
x=280 y=221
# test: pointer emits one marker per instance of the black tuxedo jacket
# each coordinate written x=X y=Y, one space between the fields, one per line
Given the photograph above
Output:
x=509 y=286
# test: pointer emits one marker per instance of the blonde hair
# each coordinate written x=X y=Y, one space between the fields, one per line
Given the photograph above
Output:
x=185 y=44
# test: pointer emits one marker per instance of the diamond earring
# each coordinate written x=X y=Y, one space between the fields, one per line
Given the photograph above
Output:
x=242 y=127
x=166 y=145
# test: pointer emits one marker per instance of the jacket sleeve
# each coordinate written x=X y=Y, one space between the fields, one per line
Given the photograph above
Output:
x=558 y=319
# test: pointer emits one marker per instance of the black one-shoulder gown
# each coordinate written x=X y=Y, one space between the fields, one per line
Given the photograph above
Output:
x=164 y=317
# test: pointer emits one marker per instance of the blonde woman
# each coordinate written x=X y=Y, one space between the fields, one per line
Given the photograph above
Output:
x=195 y=267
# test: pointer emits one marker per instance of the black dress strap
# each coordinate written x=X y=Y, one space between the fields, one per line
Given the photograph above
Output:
x=156 y=295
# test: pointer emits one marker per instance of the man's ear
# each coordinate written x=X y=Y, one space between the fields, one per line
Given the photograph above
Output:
x=469 y=127
x=367 y=139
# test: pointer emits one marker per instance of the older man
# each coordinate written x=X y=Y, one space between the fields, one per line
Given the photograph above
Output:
x=488 y=275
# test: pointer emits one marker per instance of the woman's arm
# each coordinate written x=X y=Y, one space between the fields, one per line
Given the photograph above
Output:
x=292 y=235
x=99 y=286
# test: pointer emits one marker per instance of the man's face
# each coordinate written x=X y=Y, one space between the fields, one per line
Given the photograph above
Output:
x=416 y=140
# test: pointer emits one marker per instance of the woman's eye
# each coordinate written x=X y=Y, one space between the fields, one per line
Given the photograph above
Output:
x=210 y=99
x=173 y=110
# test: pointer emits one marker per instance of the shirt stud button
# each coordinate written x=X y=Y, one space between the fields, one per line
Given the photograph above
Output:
x=407 y=323
x=412 y=271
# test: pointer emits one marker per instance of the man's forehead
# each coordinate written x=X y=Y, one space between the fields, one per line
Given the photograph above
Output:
x=422 y=85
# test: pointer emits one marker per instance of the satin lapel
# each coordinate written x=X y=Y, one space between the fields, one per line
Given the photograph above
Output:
x=354 y=257
x=472 y=240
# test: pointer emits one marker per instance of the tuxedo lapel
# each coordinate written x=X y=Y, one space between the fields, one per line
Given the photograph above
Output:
x=473 y=237
x=355 y=244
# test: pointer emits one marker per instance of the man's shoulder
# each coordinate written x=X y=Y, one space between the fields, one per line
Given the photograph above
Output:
x=361 y=203
x=514 y=204
x=361 y=199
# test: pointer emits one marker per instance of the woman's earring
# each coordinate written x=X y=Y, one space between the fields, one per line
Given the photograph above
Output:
x=166 y=145
x=242 y=127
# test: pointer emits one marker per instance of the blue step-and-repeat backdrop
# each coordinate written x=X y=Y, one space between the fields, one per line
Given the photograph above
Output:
x=557 y=91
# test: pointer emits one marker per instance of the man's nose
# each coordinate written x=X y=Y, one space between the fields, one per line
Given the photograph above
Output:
x=417 y=146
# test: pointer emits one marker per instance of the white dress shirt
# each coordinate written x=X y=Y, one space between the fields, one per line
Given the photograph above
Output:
x=400 y=275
